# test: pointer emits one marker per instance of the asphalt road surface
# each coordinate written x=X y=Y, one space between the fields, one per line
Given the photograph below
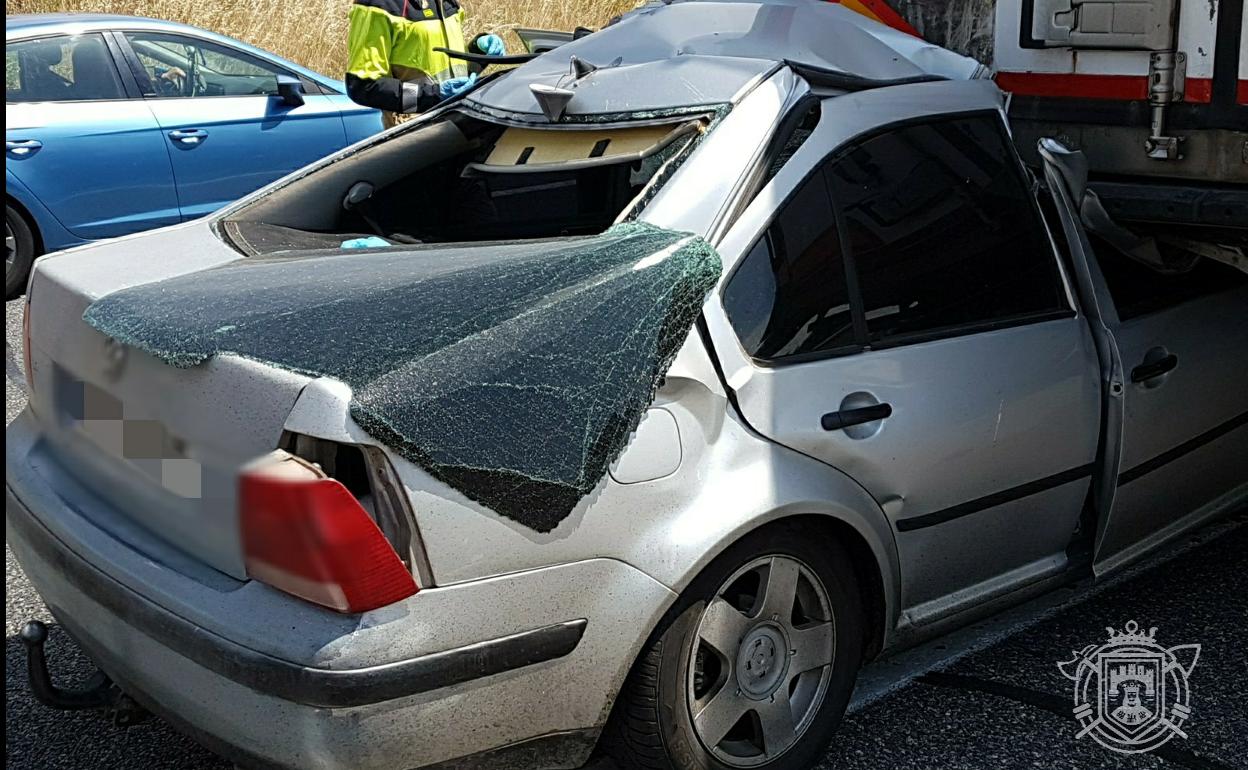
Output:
x=988 y=697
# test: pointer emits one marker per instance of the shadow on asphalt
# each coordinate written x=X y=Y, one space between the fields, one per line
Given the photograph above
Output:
x=1009 y=705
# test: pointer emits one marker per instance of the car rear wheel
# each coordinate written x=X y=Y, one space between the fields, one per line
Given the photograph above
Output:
x=19 y=252
x=754 y=666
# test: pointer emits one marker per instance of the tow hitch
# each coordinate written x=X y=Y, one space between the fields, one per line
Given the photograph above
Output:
x=98 y=692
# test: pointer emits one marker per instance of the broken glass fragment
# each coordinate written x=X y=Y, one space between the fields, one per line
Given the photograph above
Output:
x=514 y=372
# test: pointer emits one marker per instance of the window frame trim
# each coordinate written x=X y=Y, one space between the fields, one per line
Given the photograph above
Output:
x=961 y=330
x=756 y=177
x=864 y=344
x=976 y=327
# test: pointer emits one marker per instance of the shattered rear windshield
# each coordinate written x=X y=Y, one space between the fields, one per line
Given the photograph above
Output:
x=513 y=372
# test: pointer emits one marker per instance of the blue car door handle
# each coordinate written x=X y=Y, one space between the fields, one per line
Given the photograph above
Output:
x=21 y=148
x=188 y=136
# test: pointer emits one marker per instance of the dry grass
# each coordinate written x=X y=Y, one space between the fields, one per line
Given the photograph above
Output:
x=314 y=32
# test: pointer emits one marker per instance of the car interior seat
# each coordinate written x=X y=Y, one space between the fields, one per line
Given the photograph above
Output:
x=94 y=71
x=39 y=81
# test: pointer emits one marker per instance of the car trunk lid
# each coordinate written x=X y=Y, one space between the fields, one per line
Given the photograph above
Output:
x=157 y=443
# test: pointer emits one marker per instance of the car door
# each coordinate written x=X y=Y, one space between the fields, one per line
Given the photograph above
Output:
x=1183 y=343
x=228 y=130
x=76 y=139
x=903 y=317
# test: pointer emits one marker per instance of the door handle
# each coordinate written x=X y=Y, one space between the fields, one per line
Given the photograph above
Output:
x=1153 y=369
x=188 y=136
x=21 y=148
x=847 y=418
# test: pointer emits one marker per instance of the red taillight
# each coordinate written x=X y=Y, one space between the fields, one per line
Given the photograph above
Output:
x=311 y=538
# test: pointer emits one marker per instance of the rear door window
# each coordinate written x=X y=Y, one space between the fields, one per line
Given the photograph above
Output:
x=944 y=233
x=60 y=69
x=789 y=296
x=920 y=231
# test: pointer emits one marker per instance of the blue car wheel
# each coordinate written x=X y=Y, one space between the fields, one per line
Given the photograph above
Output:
x=19 y=252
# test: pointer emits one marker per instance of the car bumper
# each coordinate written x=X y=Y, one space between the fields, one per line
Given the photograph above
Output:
x=542 y=692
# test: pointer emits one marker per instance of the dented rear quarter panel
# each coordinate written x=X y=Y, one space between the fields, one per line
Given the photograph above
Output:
x=729 y=482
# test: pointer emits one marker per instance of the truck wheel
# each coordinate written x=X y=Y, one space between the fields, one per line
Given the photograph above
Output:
x=19 y=252
x=754 y=666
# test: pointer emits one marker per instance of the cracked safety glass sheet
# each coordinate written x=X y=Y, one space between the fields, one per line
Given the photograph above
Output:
x=513 y=372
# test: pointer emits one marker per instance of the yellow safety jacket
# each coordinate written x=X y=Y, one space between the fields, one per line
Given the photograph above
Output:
x=396 y=38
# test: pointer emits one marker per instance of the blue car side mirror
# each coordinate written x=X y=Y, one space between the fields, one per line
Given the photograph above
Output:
x=290 y=90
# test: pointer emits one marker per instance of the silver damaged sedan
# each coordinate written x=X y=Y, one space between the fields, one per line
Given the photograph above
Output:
x=682 y=370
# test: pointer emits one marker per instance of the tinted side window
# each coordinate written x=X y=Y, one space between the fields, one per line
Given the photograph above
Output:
x=60 y=69
x=789 y=297
x=943 y=232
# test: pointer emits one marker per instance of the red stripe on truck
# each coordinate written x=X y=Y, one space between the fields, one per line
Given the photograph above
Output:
x=1116 y=87
x=1074 y=86
x=1198 y=90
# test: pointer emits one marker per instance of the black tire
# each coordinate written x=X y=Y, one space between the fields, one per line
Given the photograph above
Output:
x=20 y=252
x=652 y=724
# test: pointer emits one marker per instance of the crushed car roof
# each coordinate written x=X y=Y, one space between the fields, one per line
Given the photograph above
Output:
x=665 y=57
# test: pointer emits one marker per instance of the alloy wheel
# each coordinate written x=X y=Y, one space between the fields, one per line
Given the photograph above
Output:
x=761 y=661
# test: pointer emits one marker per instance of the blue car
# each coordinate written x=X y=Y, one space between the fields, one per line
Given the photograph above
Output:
x=116 y=124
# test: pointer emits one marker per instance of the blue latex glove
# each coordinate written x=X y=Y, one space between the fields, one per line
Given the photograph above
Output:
x=456 y=86
x=371 y=242
x=491 y=45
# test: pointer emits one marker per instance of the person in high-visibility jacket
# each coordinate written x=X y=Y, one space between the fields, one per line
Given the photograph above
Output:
x=391 y=64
